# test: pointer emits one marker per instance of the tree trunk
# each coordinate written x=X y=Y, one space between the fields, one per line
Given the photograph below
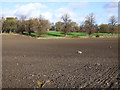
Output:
x=29 y=33
x=22 y=32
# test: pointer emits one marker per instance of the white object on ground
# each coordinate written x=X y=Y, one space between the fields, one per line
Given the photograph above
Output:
x=79 y=52
x=17 y=64
x=110 y=46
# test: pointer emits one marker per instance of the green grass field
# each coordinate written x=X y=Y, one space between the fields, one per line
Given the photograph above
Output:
x=58 y=34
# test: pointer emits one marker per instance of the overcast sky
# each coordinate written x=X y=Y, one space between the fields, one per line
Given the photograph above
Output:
x=54 y=10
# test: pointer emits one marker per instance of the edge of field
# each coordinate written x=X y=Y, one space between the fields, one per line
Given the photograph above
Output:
x=79 y=37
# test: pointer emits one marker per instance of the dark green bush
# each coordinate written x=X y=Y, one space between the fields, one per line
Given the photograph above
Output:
x=97 y=35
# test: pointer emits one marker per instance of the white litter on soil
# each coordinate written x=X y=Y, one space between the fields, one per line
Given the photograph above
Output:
x=80 y=52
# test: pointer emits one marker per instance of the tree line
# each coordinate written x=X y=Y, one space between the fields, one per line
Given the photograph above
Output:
x=41 y=25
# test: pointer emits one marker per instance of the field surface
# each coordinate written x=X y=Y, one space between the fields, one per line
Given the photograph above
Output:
x=26 y=60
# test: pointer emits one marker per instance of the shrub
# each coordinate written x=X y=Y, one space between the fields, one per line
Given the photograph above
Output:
x=97 y=35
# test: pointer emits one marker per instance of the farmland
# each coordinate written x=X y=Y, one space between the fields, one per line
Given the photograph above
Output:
x=28 y=60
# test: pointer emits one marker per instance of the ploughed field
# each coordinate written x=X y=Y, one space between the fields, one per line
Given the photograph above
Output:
x=26 y=60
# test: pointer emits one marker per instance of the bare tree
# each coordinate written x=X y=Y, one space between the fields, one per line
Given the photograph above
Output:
x=65 y=18
x=67 y=24
x=21 y=24
x=112 y=24
x=89 y=22
x=22 y=18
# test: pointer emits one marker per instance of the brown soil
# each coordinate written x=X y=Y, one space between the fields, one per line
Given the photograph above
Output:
x=26 y=60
